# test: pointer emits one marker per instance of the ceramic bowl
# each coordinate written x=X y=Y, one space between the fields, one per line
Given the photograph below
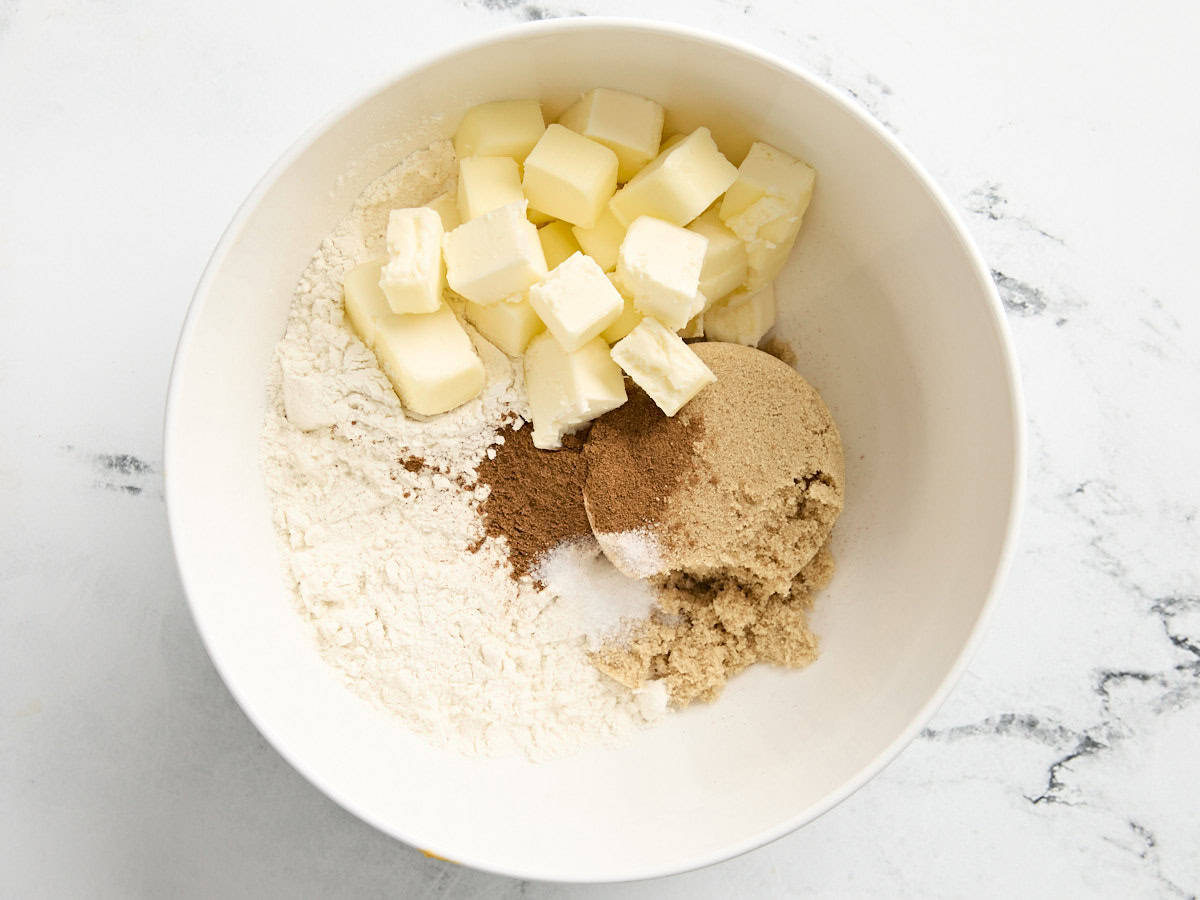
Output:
x=893 y=318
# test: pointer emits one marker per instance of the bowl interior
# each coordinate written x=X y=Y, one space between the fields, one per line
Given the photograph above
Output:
x=892 y=320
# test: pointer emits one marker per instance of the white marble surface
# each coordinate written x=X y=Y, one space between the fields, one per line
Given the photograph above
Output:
x=1067 y=760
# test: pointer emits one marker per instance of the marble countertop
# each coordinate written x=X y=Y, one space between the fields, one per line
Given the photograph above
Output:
x=1064 y=764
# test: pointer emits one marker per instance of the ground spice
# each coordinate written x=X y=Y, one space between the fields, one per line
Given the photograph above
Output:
x=536 y=497
x=636 y=458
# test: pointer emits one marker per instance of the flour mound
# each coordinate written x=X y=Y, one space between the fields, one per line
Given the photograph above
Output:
x=383 y=545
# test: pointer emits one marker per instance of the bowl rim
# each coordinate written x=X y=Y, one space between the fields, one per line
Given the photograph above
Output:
x=231 y=235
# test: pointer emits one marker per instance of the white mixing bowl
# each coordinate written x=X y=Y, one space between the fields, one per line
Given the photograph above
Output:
x=894 y=320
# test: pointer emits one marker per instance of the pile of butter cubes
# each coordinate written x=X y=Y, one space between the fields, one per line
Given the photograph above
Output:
x=592 y=247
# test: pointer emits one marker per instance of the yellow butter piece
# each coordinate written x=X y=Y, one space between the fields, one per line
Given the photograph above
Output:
x=694 y=328
x=413 y=278
x=486 y=183
x=537 y=217
x=660 y=264
x=765 y=207
x=662 y=365
x=602 y=241
x=679 y=184
x=629 y=125
x=725 y=261
x=365 y=302
x=568 y=389
x=569 y=176
x=446 y=206
x=576 y=301
x=630 y=315
x=743 y=317
x=558 y=242
x=494 y=256
x=429 y=360
x=500 y=128
x=509 y=324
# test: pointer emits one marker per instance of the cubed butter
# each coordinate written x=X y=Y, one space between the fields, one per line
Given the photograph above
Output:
x=429 y=360
x=446 y=206
x=694 y=328
x=567 y=389
x=557 y=242
x=743 y=317
x=500 y=128
x=765 y=207
x=671 y=141
x=602 y=241
x=725 y=260
x=509 y=324
x=769 y=172
x=769 y=229
x=576 y=301
x=486 y=183
x=679 y=184
x=570 y=177
x=538 y=218
x=495 y=256
x=366 y=306
x=414 y=275
x=662 y=365
x=629 y=317
x=629 y=125
x=660 y=264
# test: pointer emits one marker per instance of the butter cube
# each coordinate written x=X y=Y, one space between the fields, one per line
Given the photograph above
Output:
x=557 y=242
x=486 y=183
x=694 y=328
x=660 y=264
x=602 y=241
x=671 y=141
x=629 y=125
x=414 y=275
x=446 y=206
x=567 y=389
x=576 y=301
x=743 y=317
x=769 y=172
x=366 y=305
x=629 y=317
x=725 y=260
x=429 y=360
x=769 y=229
x=500 y=128
x=765 y=208
x=679 y=184
x=509 y=324
x=662 y=365
x=570 y=177
x=538 y=218
x=494 y=256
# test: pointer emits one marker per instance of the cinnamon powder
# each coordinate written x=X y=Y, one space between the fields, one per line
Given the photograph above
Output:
x=536 y=497
x=636 y=458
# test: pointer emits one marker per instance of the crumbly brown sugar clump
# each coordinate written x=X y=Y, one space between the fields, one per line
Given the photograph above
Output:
x=738 y=494
x=708 y=631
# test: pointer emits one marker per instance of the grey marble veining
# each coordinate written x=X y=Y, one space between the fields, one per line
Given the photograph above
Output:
x=1064 y=764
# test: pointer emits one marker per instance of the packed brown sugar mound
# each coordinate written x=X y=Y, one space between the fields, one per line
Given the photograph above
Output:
x=728 y=507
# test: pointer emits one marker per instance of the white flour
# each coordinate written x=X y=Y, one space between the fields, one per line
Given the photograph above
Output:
x=380 y=556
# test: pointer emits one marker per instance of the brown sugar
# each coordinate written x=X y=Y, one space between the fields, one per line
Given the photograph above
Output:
x=707 y=630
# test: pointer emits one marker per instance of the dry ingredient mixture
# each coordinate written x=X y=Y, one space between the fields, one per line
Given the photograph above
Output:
x=498 y=596
x=388 y=560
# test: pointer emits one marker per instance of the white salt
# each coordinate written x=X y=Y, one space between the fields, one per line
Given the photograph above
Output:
x=595 y=600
